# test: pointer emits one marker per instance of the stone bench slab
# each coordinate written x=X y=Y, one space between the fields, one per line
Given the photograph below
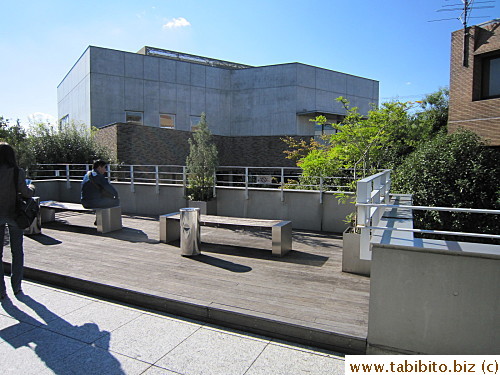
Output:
x=281 y=230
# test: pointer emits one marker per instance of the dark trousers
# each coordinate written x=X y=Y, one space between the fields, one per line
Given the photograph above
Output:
x=16 y=247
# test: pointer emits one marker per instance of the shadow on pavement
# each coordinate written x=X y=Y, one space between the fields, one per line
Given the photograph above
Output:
x=55 y=340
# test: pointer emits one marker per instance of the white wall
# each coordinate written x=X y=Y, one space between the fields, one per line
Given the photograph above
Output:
x=442 y=297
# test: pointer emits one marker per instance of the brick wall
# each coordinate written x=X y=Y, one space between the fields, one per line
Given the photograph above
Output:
x=466 y=108
x=136 y=144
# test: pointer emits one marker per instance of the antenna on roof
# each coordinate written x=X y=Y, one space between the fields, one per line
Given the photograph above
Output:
x=466 y=8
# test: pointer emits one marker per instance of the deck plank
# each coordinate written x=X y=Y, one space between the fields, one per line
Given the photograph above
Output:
x=236 y=269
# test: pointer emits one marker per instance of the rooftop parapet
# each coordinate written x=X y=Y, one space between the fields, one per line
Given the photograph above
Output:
x=173 y=55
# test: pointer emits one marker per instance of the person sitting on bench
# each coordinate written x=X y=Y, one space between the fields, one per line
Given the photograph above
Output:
x=97 y=192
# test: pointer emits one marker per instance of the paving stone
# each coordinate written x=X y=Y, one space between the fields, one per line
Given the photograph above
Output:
x=10 y=328
x=149 y=337
x=14 y=308
x=96 y=361
x=98 y=337
x=38 y=351
x=208 y=351
x=282 y=360
x=52 y=305
x=153 y=370
x=94 y=321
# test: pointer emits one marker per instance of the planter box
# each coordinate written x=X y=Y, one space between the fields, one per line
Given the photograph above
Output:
x=350 y=254
x=206 y=208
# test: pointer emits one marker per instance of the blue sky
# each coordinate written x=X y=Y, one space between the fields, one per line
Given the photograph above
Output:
x=390 y=41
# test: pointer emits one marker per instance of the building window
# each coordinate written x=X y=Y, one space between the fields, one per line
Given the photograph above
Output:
x=134 y=117
x=325 y=129
x=167 y=120
x=195 y=121
x=490 y=82
x=63 y=122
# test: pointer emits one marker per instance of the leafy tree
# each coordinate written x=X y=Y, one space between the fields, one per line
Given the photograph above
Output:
x=455 y=170
x=74 y=143
x=383 y=139
x=433 y=115
x=42 y=144
x=17 y=137
x=201 y=163
x=360 y=143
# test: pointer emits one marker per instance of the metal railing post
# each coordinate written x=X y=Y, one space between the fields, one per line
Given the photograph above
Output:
x=132 y=187
x=376 y=212
x=363 y=193
x=246 y=182
x=184 y=179
x=157 y=178
x=387 y=185
x=215 y=184
x=282 y=184
x=321 y=190
x=68 y=182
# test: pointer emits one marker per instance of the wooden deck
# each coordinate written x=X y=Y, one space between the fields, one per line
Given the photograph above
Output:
x=302 y=297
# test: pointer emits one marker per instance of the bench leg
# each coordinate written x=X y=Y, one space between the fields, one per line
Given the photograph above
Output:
x=47 y=214
x=282 y=238
x=170 y=229
x=108 y=219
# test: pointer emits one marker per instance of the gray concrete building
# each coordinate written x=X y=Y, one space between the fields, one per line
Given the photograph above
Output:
x=167 y=89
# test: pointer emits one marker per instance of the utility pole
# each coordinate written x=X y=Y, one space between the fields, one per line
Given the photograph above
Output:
x=466 y=8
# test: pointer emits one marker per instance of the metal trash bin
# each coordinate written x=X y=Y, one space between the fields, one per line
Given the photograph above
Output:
x=190 y=231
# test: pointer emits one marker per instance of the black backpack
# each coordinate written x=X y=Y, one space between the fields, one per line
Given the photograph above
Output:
x=26 y=208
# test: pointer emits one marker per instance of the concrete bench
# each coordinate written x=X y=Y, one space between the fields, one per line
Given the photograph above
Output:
x=281 y=229
x=107 y=219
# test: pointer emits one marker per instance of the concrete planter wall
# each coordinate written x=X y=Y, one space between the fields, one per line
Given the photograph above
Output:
x=351 y=261
x=303 y=207
x=206 y=208
x=434 y=297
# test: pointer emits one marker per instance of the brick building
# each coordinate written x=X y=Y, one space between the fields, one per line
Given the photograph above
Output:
x=475 y=81
x=132 y=144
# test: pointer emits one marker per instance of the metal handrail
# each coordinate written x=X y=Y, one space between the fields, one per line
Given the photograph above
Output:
x=282 y=178
x=431 y=208
x=431 y=231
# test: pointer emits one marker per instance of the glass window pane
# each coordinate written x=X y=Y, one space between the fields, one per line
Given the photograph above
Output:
x=134 y=117
x=494 y=77
x=167 y=121
x=195 y=120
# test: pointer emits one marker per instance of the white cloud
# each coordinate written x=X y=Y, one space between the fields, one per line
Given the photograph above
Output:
x=408 y=83
x=177 y=22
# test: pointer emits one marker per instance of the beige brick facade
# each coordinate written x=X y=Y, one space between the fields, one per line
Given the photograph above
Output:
x=467 y=109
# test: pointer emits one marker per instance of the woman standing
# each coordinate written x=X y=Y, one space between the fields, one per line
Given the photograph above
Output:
x=8 y=165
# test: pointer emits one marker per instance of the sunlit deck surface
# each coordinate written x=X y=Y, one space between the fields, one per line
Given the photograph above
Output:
x=302 y=297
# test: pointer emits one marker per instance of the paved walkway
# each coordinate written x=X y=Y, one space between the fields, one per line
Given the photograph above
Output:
x=51 y=331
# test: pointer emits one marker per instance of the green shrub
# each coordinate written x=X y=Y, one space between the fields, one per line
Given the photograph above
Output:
x=201 y=163
x=455 y=170
x=74 y=143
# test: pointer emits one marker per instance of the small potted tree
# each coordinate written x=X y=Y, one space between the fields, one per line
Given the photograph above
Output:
x=201 y=164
